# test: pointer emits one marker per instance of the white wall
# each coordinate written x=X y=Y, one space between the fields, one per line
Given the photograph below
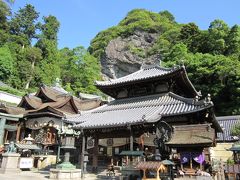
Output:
x=4 y=96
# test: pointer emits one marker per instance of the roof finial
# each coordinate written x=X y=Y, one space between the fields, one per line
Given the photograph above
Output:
x=57 y=82
x=142 y=65
x=182 y=62
x=209 y=98
x=196 y=98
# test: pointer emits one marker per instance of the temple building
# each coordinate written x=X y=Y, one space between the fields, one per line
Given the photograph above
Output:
x=39 y=116
x=155 y=109
x=10 y=123
x=45 y=110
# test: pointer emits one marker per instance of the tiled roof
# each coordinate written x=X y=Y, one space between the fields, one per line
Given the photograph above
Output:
x=88 y=96
x=59 y=89
x=138 y=110
x=227 y=123
x=33 y=101
x=150 y=165
x=11 y=109
x=28 y=146
x=132 y=153
x=145 y=73
x=192 y=134
x=58 y=100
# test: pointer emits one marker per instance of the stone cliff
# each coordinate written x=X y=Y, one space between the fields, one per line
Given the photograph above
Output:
x=123 y=56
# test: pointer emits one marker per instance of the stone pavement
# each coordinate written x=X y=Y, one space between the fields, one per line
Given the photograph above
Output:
x=36 y=175
x=43 y=175
x=26 y=175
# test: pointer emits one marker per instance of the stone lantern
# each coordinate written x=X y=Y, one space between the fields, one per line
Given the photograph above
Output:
x=67 y=143
x=66 y=170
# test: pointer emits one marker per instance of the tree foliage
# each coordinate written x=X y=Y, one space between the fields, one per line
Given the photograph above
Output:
x=29 y=53
x=6 y=64
x=80 y=70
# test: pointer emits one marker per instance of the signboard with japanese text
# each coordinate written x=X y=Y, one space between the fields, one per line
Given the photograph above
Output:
x=26 y=163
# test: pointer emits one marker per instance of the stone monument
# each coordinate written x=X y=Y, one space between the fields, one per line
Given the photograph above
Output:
x=10 y=160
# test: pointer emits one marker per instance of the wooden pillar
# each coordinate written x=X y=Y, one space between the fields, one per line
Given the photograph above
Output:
x=6 y=136
x=18 y=133
x=191 y=163
x=158 y=177
x=58 y=153
x=95 y=156
x=2 y=131
x=144 y=174
x=131 y=139
x=82 y=157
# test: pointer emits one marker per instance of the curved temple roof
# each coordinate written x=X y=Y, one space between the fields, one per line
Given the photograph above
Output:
x=149 y=73
x=144 y=73
x=146 y=109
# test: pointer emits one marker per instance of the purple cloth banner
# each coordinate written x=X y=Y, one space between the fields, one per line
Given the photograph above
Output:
x=185 y=157
x=196 y=156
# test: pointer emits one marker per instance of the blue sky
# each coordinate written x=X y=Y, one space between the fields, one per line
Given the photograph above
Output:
x=81 y=20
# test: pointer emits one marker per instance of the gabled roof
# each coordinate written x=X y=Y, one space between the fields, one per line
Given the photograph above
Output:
x=57 y=99
x=48 y=93
x=48 y=110
x=188 y=135
x=149 y=73
x=145 y=109
x=30 y=101
x=151 y=165
x=227 y=123
x=11 y=109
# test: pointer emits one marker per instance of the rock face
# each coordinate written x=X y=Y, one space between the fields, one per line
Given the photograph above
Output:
x=124 y=56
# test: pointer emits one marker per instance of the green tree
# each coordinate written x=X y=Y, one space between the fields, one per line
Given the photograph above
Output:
x=233 y=41
x=50 y=28
x=49 y=68
x=6 y=64
x=178 y=54
x=4 y=27
x=235 y=131
x=24 y=24
x=189 y=35
x=33 y=55
x=80 y=70
x=168 y=15
x=218 y=31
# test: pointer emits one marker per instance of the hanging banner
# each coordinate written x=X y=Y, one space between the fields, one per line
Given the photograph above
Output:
x=90 y=143
x=185 y=157
x=198 y=157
